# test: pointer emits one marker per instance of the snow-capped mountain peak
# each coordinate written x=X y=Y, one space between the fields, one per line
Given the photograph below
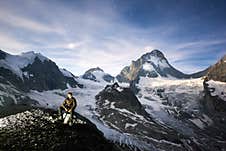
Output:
x=32 y=70
x=152 y=64
x=17 y=62
x=98 y=75
x=154 y=53
x=32 y=55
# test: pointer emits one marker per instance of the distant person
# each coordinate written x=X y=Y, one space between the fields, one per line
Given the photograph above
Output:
x=67 y=106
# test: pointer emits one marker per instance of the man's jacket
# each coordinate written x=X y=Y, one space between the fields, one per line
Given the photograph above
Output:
x=70 y=104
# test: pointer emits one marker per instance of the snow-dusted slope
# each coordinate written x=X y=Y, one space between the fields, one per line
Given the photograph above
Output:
x=173 y=104
x=169 y=100
x=17 y=62
x=86 y=106
x=34 y=71
x=67 y=73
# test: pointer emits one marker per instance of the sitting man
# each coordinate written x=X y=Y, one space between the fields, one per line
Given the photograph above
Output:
x=68 y=106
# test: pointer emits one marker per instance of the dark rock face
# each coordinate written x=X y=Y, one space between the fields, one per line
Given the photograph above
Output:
x=108 y=78
x=91 y=76
x=46 y=76
x=218 y=71
x=8 y=76
x=159 y=66
x=124 y=99
x=2 y=54
x=40 y=75
x=37 y=129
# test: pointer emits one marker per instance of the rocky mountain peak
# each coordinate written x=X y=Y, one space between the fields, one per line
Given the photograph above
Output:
x=32 y=55
x=98 y=75
x=95 y=69
x=32 y=70
x=152 y=64
x=153 y=53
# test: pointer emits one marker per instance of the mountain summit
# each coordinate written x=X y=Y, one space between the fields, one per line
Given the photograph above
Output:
x=98 y=75
x=32 y=70
x=153 y=64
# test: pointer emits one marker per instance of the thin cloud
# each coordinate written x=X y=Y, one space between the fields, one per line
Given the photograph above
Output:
x=9 y=43
x=94 y=35
x=22 y=22
x=201 y=43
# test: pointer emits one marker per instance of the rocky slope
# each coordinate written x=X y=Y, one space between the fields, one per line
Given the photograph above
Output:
x=37 y=129
x=153 y=64
x=217 y=72
x=165 y=117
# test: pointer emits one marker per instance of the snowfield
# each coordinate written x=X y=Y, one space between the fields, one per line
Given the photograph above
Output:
x=166 y=100
x=86 y=105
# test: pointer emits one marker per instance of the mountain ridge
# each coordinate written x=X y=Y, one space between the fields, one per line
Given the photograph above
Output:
x=153 y=64
x=32 y=70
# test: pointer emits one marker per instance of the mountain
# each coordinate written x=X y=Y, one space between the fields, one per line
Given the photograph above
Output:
x=97 y=75
x=163 y=114
x=159 y=124
x=37 y=129
x=217 y=72
x=32 y=70
x=121 y=110
x=166 y=114
x=19 y=74
x=153 y=64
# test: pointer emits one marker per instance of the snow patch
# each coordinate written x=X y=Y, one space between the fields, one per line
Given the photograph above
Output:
x=219 y=89
x=66 y=73
x=148 y=67
x=68 y=86
x=120 y=89
x=130 y=125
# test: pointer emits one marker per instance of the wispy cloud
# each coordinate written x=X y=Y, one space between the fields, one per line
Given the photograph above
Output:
x=11 y=44
x=79 y=36
x=200 y=44
x=26 y=23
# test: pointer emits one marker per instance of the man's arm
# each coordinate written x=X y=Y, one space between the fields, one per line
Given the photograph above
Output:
x=63 y=105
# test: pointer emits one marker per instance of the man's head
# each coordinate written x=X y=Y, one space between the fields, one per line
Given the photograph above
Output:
x=69 y=95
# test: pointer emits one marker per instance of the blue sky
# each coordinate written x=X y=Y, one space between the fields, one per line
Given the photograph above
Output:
x=81 y=34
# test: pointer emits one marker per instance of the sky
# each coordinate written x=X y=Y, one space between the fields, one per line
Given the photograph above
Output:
x=82 y=34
